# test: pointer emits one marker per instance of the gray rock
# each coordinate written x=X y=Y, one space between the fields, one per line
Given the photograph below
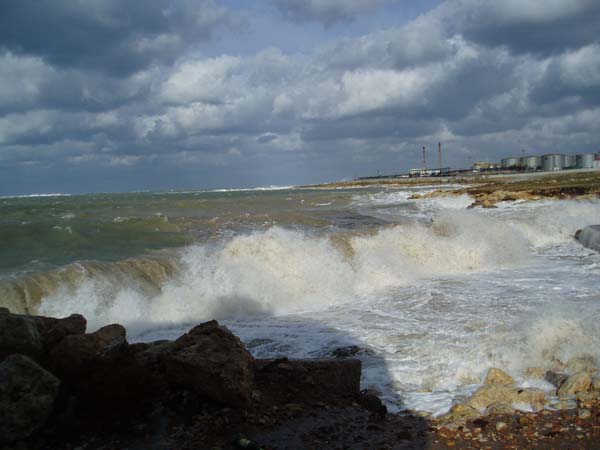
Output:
x=35 y=335
x=590 y=237
x=372 y=403
x=555 y=378
x=27 y=396
x=346 y=352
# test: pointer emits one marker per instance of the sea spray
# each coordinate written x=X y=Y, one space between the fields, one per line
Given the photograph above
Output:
x=437 y=295
x=280 y=271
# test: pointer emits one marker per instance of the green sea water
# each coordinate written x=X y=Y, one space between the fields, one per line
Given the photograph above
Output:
x=40 y=233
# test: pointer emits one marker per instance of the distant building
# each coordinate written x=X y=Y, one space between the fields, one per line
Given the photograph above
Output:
x=510 y=163
x=421 y=172
x=479 y=166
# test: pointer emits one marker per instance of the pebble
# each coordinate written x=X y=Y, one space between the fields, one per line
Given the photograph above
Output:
x=584 y=414
x=501 y=426
x=524 y=421
x=548 y=425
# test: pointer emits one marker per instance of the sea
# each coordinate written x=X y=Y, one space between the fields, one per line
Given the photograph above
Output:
x=432 y=293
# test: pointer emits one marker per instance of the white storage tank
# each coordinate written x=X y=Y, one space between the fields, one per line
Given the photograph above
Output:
x=570 y=161
x=510 y=163
x=553 y=161
x=585 y=161
x=531 y=162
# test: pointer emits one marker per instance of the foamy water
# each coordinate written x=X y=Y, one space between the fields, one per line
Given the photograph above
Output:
x=435 y=293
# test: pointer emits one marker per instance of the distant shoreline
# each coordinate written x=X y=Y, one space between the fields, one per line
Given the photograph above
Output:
x=466 y=179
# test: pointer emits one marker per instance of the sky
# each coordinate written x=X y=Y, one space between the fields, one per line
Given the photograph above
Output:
x=112 y=96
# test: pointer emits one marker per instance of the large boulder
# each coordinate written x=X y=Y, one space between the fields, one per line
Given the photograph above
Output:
x=282 y=380
x=496 y=395
x=590 y=237
x=579 y=382
x=580 y=363
x=20 y=334
x=103 y=370
x=97 y=369
x=27 y=396
x=213 y=362
x=78 y=353
x=34 y=336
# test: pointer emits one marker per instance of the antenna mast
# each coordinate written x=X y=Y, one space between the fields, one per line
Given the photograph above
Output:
x=440 y=159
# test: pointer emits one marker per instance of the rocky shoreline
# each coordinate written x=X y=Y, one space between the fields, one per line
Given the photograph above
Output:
x=62 y=388
x=491 y=192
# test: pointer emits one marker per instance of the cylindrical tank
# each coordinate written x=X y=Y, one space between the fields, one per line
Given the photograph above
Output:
x=509 y=163
x=531 y=162
x=585 y=161
x=570 y=161
x=553 y=161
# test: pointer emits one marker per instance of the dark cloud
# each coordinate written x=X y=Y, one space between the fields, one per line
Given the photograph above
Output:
x=133 y=104
x=525 y=26
x=327 y=12
x=110 y=36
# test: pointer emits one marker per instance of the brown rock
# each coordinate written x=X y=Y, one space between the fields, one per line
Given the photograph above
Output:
x=499 y=408
x=537 y=373
x=579 y=382
x=460 y=412
x=101 y=370
x=580 y=363
x=497 y=376
x=503 y=396
x=74 y=353
x=535 y=398
x=56 y=331
x=213 y=361
x=315 y=379
x=596 y=383
x=27 y=396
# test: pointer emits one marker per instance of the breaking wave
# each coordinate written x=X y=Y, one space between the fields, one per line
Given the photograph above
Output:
x=279 y=270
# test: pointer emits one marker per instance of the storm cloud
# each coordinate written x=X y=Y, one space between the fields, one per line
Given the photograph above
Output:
x=107 y=95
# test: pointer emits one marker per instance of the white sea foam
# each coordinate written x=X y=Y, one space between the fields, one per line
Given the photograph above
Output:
x=408 y=292
x=36 y=195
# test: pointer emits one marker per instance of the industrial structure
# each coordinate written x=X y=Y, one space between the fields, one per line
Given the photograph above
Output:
x=530 y=163
x=547 y=162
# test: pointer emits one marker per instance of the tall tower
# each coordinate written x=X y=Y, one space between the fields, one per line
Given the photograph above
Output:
x=424 y=159
x=440 y=160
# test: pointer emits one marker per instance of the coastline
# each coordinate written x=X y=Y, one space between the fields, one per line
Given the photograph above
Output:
x=95 y=391
x=489 y=190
